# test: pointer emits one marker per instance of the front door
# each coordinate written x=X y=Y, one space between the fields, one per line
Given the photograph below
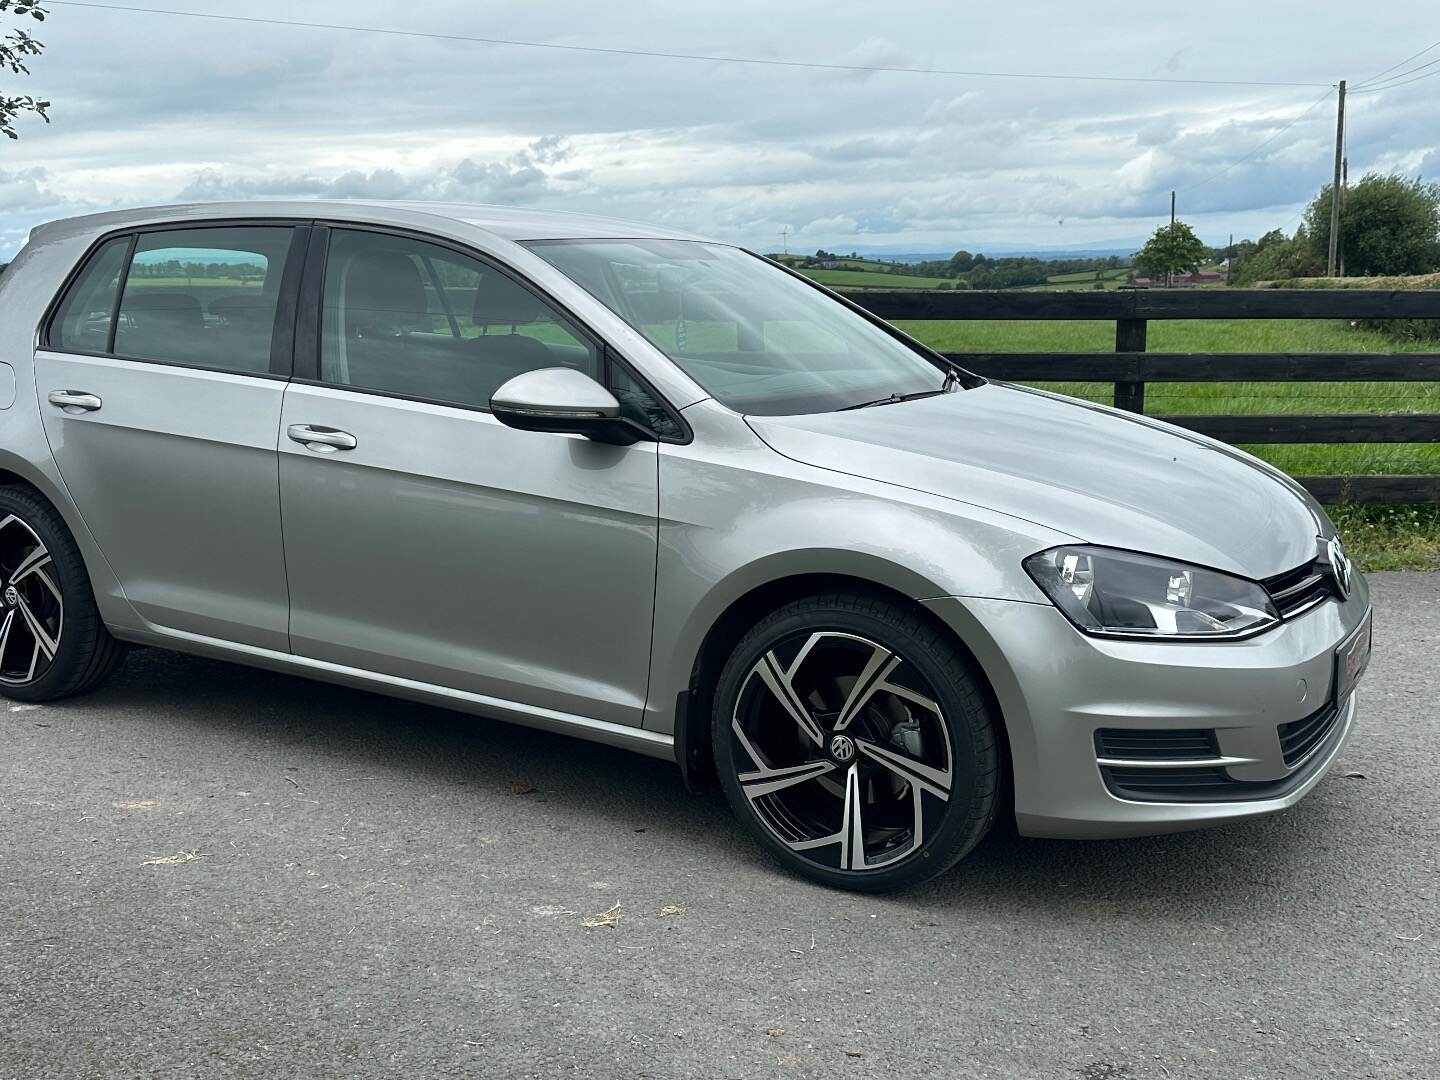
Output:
x=425 y=540
x=160 y=383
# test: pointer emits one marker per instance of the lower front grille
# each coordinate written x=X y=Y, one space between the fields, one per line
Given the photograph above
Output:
x=1301 y=743
x=1155 y=745
x=1170 y=785
x=1300 y=738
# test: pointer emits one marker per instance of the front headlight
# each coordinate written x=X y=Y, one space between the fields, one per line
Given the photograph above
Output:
x=1119 y=593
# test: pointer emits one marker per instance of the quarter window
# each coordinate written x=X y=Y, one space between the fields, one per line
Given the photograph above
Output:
x=419 y=320
x=204 y=297
x=82 y=323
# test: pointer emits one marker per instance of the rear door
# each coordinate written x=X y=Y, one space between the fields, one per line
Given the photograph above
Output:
x=424 y=539
x=161 y=377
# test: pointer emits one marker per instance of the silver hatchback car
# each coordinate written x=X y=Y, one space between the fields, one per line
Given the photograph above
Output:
x=665 y=494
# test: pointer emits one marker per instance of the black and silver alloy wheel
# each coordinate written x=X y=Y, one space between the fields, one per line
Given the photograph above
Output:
x=33 y=608
x=53 y=642
x=856 y=743
x=850 y=751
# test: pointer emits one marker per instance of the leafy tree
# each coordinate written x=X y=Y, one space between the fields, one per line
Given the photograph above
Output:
x=1388 y=225
x=14 y=48
x=961 y=261
x=1276 y=257
x=1174 y=249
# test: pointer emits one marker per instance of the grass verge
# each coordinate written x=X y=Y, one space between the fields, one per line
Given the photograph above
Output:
x=1390 y=537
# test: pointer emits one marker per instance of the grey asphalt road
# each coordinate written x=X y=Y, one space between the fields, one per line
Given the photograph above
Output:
x=211 y=871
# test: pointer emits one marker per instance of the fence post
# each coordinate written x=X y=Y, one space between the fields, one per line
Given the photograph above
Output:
x=1130 y=337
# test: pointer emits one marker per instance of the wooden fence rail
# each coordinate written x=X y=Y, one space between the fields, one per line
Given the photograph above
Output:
x=1129 y=368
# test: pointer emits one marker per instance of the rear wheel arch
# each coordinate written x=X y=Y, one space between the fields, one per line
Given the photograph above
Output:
x=19 y=472
x=693 y=711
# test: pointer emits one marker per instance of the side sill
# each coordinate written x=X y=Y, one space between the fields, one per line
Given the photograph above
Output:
x=651 y=743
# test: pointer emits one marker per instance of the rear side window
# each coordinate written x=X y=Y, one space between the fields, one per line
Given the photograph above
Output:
x=82 y=323
x=204 y=297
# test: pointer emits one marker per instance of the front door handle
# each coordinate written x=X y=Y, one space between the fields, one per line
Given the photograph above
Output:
x=323 y=440
x=74 y=402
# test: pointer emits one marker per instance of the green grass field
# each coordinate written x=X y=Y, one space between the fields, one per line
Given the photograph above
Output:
x=868 y=279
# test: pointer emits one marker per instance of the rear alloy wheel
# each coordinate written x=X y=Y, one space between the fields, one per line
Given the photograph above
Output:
x=34 y=609
x=52 y=640
x=856 y=742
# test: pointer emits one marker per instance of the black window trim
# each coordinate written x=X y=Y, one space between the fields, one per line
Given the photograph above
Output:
x=283 y=326
x=306 y=370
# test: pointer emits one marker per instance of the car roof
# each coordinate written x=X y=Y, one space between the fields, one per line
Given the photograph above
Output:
x=507 y=222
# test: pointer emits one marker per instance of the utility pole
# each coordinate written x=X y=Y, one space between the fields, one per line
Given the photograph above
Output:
x=1172 y=209
x=1344 y=191
x=1335 y=185
x=1229 y=257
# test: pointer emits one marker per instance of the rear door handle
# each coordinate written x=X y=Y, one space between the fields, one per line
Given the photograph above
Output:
x=74 y=402
x=323 y=440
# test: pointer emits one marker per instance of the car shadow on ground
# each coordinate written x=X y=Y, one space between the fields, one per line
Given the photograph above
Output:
x=1232 y=871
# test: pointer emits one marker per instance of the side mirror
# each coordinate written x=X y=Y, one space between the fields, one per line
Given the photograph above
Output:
x=564 y=401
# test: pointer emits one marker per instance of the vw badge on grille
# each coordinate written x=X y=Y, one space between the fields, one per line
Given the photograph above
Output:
x=1339 y=566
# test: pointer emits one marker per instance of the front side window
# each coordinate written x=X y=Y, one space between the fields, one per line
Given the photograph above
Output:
x=756 y=338
x=407 y=317
x=203 y=297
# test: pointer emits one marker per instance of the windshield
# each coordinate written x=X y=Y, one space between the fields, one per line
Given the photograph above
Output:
x=755 y=337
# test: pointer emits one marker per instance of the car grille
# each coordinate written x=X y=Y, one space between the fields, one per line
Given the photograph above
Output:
x=1172 y=785
x=1155 y=745
x=1175 y=781
x=1300 y=738
x=1300 y=589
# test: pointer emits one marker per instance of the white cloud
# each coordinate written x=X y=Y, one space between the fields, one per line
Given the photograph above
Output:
x=148 y=109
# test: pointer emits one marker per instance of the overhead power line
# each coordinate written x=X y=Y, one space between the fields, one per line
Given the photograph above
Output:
x=754 y=61
x=1389 y=84
x=1392 y=67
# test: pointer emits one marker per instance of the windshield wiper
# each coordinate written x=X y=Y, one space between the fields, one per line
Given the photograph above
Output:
x=891 y=399
x=952 y=382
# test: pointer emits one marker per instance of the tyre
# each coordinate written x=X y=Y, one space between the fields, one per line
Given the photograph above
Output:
x=52 y=640
x=857 y=743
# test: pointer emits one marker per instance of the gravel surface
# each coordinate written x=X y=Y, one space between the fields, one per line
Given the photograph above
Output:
x=210 y=870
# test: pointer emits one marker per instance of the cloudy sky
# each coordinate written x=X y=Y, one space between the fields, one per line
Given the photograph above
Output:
x=151 y=108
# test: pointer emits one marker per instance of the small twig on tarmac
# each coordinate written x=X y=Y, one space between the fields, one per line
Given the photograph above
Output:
x=297 y=786
x=176 y=860
x=610 y=917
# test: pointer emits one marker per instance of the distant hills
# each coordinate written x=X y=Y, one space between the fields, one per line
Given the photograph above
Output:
x=1122 y=248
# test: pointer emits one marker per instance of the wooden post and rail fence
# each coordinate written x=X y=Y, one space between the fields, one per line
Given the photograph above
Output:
x=1130 y=367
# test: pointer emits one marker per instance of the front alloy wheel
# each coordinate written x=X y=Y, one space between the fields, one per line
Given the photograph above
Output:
x=856 y=743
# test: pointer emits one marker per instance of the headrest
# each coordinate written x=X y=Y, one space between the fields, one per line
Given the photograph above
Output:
x=383 y=287
x=238 y=307
x=499 y=301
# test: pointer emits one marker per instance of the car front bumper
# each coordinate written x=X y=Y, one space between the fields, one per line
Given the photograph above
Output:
x=1260 y=705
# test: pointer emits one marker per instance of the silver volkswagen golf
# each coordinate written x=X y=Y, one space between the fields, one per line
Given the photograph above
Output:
x=665 y=494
